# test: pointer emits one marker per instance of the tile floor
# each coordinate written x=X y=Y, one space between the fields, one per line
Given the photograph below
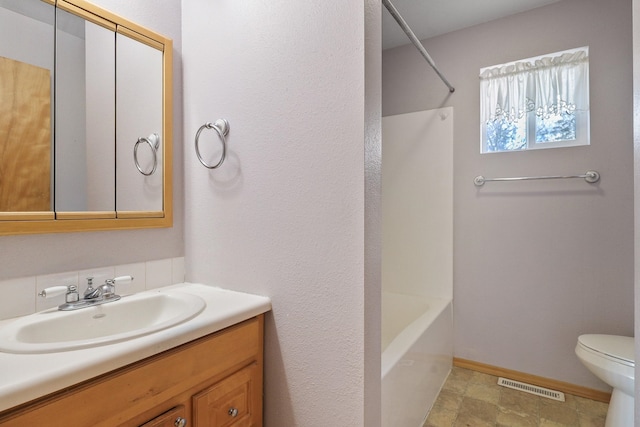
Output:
x=473 y=399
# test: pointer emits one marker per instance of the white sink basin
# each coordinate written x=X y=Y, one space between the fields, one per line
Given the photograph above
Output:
x=131 y=317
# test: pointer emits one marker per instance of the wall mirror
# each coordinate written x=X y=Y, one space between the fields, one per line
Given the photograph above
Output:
x=85 y=120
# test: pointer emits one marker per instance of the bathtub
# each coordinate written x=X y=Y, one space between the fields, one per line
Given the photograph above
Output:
x=417 y=354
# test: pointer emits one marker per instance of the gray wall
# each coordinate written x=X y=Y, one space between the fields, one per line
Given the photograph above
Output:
x=537 y=263
x=50 y=253
x=373 y=212
x=636 y=150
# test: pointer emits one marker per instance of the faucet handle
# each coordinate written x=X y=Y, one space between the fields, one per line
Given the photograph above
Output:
x=53 y=291
x=71 y=292
x=122 y=280
x=109 y=287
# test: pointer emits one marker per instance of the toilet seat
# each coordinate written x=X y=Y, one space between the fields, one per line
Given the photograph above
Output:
x=615 y=348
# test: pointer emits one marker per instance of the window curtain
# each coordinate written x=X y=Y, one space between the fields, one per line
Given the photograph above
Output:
x=548 y=85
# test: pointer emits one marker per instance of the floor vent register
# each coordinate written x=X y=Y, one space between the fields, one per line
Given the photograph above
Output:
x=528 y=388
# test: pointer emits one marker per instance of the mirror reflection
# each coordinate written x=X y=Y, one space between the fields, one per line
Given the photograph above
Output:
x=26 y=107
x=138 y=117
x=85 y=115
x=85 y=120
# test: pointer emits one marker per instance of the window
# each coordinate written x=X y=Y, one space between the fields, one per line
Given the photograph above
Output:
x=540 y=102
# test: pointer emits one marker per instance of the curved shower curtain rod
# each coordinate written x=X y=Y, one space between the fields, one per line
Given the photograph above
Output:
x=394 y=12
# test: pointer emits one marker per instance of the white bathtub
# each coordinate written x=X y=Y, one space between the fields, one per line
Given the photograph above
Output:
x=417 y=354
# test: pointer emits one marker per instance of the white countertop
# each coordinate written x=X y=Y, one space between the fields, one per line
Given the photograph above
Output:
x=24 y=377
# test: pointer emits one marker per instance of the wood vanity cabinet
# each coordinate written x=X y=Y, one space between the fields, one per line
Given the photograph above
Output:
x=215 y=381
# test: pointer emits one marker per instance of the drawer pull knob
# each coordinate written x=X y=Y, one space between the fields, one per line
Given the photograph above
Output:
x=233 y=412
x=180 y=422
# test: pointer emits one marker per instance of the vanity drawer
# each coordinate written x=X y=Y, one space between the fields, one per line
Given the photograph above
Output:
x=131 y=395
x=175 y=417
x=230 y=402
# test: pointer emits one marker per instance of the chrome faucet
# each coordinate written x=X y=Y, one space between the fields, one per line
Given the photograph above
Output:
x=91 y=296
x=91 y=292
x=109 y=287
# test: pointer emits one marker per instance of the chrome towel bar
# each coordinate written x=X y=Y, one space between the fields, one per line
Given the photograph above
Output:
x=589 y=176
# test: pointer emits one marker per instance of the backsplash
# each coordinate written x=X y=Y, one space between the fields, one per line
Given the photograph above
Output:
x=20 y=295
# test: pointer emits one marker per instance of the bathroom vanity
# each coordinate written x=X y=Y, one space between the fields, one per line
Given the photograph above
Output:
x=213 y=381
x=212 y=377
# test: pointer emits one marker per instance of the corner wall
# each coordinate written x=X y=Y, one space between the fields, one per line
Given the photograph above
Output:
x=373 y=213
x=636 y=167
x=536 y=263
x=284 y=216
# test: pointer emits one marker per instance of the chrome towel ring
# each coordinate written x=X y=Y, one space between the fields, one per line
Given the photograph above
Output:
x=221 y=126
x=154 y=142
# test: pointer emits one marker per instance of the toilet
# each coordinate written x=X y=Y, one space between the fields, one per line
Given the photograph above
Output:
x=611 y=358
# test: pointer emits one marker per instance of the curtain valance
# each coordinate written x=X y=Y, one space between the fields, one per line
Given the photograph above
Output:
x=548 y=85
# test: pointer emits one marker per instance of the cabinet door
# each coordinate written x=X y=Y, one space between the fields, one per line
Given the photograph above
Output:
x=235 y=401
x=176 y=417
x=84 y=115
x=139 y=102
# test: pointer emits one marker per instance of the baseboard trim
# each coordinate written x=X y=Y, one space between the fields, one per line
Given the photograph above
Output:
x=576 y=390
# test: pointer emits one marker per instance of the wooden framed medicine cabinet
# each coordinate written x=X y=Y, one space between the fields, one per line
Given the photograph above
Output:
x=85 y=120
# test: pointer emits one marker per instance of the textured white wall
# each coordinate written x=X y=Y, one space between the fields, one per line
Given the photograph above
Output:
x=284 y=216
x=538 y=263
x=50 y=253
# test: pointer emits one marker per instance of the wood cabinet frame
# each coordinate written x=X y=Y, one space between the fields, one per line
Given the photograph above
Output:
x=62 y=222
